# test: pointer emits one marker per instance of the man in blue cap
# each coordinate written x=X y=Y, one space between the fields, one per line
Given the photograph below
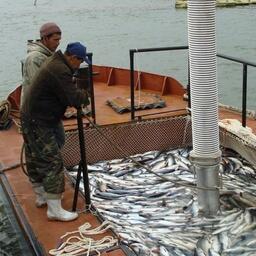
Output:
x=51 y=91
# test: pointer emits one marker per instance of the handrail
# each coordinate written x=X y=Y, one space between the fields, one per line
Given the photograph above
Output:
x=236 y=60
x=89 y=54
x=230 y=58
x=244 y=91
x=132 y=51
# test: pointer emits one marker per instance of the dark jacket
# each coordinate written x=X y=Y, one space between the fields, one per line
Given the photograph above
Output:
x=51 y=91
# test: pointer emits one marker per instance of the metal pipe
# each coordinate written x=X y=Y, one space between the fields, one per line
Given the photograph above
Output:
x=159 y=49
x=244 y=103
x=223 y=56
x=91 y=89
x=132 y=84
x=204 y=101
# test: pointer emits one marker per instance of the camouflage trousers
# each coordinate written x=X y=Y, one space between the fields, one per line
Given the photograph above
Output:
x=43 y=154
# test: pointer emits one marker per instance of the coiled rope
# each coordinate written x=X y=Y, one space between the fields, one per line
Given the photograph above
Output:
x=81 y=244
x=5 y=109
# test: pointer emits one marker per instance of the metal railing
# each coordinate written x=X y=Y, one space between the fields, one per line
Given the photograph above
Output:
x=91 y=87
x=85 y=77
x=244 y=85
x=132 y=52
x=241 y=61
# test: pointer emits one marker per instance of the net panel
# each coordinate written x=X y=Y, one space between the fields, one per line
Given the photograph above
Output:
x=133 y=138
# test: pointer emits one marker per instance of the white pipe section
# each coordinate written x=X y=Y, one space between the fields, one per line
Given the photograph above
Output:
x=204 y=99
x=203 y=76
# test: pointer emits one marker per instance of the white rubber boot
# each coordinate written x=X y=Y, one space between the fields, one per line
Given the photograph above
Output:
x=55 y=210
x=40 y=195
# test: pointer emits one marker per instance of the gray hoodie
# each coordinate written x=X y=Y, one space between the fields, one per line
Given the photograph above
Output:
x=37 y=54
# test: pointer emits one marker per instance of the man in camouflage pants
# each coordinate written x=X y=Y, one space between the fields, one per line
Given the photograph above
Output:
x=44 y=105
x=42 y=148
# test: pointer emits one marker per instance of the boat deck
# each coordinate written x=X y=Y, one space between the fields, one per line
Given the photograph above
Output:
x=46 y=232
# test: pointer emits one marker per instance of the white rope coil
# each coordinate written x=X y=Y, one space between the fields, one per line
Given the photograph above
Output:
x=84 y=245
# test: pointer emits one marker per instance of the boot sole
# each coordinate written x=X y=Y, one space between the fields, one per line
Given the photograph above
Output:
x=60 y=219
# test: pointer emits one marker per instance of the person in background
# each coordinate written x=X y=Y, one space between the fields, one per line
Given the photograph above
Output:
x=38 y=52
x=51 y=91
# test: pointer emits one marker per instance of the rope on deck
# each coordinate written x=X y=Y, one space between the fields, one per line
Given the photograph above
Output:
x=82 y=244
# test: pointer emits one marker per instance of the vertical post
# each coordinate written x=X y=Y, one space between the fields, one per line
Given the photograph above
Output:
x=92 y=89
x=82 y=165
x=244 y=101
x=132 y=83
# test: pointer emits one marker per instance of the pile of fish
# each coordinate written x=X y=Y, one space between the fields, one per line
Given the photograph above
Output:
x=154 y=216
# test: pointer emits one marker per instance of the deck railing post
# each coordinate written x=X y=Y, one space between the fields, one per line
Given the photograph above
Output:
x=244 y=92
x=91 y=89
x=244 y=100
x=132 y=83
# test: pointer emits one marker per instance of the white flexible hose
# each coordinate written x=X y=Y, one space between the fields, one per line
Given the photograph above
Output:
x=203 y=77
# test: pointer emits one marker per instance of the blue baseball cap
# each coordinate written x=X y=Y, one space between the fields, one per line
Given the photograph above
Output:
x=78 y=50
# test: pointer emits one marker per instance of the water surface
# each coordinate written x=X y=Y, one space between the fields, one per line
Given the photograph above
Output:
x=111 y=27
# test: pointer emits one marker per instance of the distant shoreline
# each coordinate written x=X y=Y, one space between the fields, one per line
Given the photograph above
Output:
x=219 y=3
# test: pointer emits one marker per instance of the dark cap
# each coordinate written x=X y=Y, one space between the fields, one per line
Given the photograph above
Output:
x=78 y=50
x=48 y=29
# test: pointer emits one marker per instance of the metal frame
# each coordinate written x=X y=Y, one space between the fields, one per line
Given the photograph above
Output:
x=132 y=52
x=241 y=61
x=244 y=84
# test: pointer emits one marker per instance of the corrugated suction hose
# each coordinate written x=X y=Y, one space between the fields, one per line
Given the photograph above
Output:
x=204 y=92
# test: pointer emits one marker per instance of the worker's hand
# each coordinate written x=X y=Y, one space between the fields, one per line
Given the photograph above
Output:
x=70 y=111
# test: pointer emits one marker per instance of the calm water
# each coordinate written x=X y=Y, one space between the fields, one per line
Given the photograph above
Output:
x=111 y=27
x=12 y=240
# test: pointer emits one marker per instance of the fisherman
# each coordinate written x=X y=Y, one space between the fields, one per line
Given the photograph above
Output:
x=38 y=52
x=51 y=91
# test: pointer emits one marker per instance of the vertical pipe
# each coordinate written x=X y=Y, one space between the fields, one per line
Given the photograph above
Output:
x=204 y=101
x=244 y=103
x=92 y=89
x=132 y=83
